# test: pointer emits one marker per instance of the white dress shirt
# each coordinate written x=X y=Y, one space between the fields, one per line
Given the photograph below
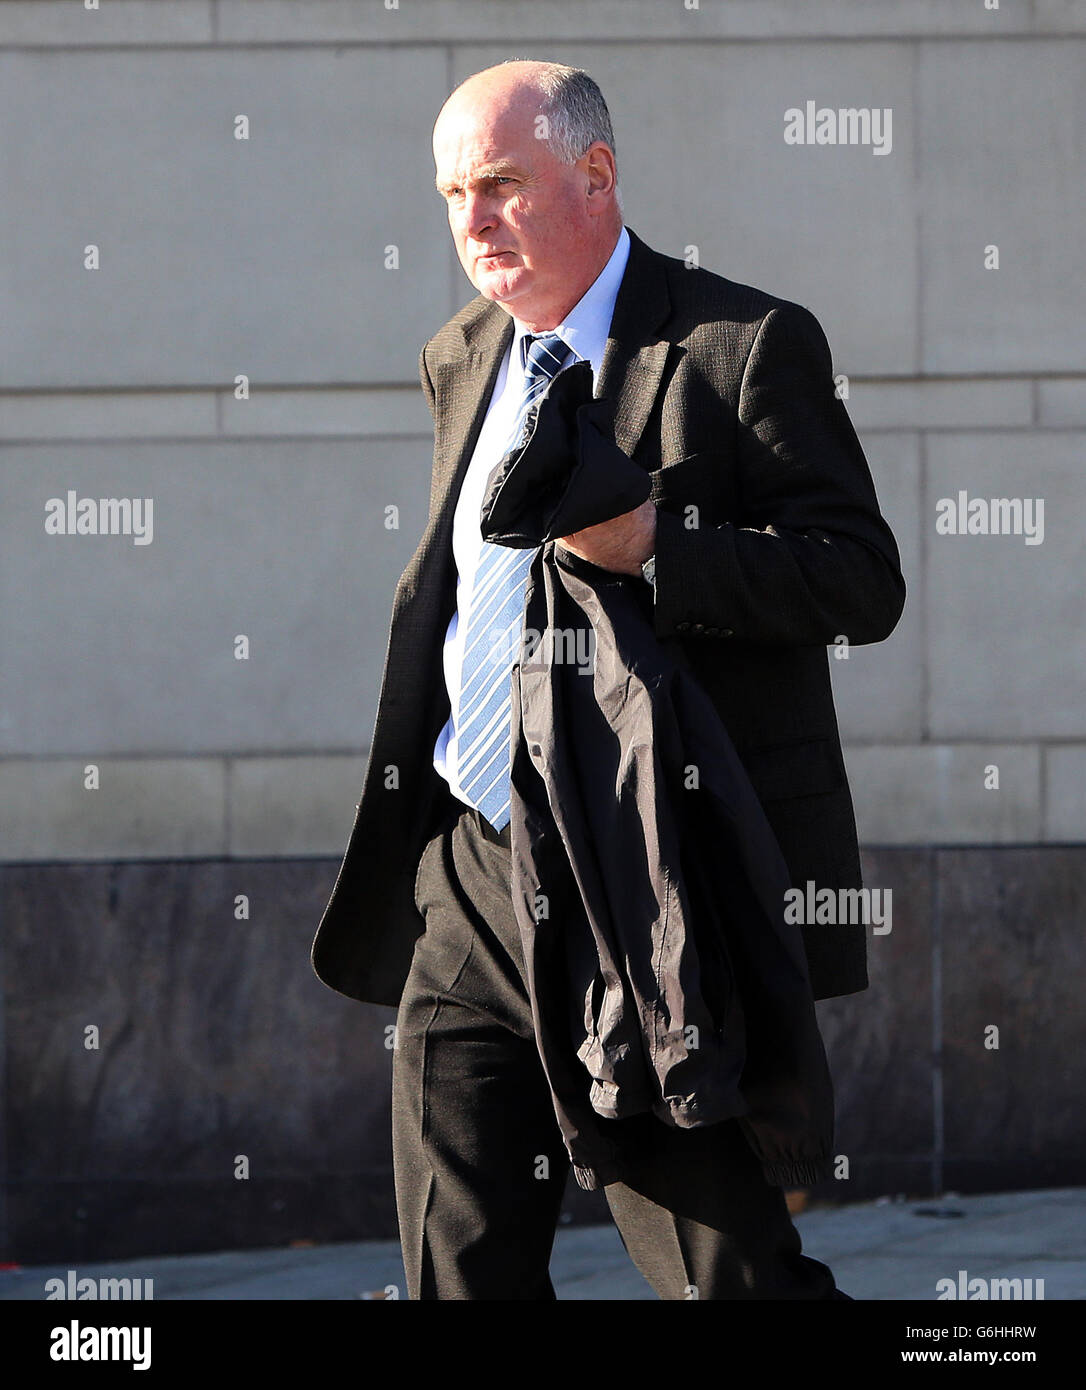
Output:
x=584 y=329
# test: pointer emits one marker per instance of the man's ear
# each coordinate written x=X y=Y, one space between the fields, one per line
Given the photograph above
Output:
x=600 y=169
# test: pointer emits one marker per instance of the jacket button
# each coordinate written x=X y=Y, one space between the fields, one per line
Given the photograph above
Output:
x=682 y=627
x=712 y=632
x=726 y=632
x=699 y=627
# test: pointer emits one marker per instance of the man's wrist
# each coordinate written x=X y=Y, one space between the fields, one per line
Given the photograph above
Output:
x=648 y=571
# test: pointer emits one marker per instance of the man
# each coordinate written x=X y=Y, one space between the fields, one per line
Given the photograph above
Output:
x=763 y=543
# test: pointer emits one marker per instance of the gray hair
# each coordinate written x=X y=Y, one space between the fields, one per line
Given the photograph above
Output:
x=576 y=112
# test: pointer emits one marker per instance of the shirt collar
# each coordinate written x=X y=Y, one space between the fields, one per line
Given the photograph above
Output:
x=585 y=327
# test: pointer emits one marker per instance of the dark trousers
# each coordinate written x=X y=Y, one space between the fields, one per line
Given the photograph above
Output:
x=480 y=1167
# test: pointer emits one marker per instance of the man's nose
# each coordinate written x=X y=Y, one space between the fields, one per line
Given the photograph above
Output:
x=479 y=214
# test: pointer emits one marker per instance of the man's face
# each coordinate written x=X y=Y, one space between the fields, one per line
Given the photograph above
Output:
x=520 y=218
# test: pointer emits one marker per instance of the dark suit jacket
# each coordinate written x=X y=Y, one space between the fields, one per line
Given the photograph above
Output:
x=770 y=545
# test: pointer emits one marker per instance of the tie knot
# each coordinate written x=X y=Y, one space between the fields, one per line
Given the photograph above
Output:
x=545 y=354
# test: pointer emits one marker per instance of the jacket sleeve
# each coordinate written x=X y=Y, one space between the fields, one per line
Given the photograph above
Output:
x=813 y=558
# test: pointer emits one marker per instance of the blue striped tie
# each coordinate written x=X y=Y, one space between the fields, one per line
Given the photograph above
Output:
x=494 y=630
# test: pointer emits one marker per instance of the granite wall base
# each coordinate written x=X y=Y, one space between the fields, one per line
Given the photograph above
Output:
x=176 y=1079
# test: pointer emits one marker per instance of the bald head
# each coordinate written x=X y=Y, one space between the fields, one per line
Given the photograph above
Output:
x=534 y=216
x=504 y=86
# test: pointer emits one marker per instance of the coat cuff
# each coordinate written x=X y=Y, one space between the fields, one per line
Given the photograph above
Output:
x=687 y=568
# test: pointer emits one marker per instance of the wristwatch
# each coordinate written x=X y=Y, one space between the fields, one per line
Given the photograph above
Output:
x=648 y=569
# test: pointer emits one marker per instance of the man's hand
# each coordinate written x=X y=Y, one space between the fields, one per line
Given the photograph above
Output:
x=621 y=544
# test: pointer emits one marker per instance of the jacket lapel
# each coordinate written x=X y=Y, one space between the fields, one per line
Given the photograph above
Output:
x=464 y=383
x=634 y=358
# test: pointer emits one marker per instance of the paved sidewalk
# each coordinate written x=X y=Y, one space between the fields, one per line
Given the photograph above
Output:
x=877 y=1250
